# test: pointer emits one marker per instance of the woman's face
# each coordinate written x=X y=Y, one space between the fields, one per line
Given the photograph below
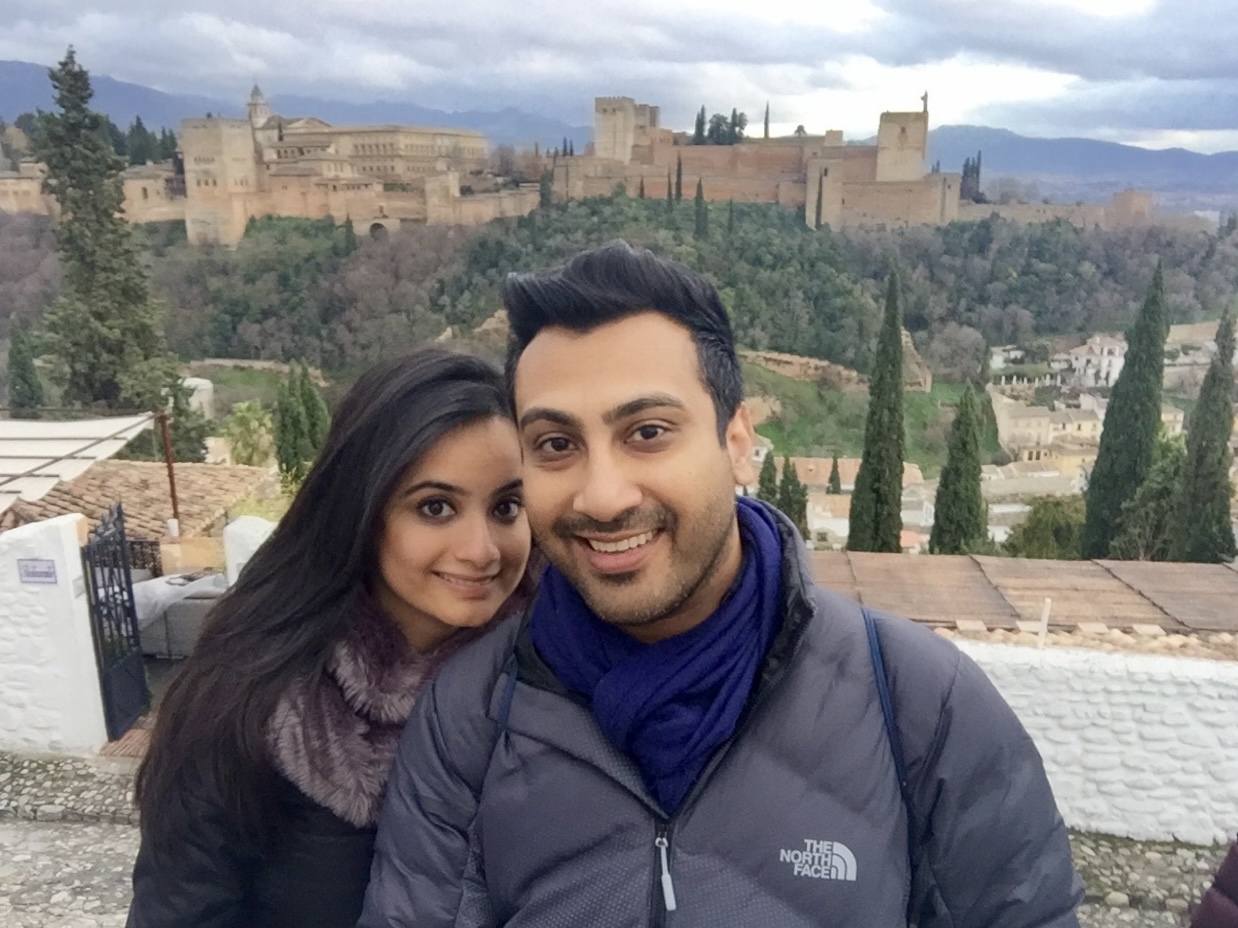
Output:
x=454 y=538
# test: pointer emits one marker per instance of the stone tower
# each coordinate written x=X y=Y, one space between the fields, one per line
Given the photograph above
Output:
x=259 y=111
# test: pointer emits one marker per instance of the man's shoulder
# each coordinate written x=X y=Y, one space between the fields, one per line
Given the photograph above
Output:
x=467 y=679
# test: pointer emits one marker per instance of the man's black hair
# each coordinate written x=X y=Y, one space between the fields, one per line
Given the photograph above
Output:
x=616 y=280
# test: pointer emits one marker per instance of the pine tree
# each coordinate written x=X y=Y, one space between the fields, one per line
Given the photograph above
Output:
x=876 y=504
x=767 y=481
x=545 y=189
x=1202 y=530
x=317 y=418
x=835 y=486
x=25 y=388
x=678 y=178
x=960 y=520
x=793 y=497
x=701 y=229
x=766 y=119
x=698 y=134
x=105 y=334
x=248 y=430
x=1132 y=424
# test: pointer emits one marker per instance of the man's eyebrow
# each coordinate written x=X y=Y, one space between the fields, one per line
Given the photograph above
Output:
x=642 y=404
x=553 y=416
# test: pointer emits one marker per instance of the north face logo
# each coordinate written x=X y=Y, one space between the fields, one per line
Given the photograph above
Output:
x=823 y=860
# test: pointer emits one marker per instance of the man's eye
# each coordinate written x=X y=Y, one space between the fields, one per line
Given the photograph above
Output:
x=650 y=432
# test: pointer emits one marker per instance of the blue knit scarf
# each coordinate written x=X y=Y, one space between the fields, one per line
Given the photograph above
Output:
x=669 y=705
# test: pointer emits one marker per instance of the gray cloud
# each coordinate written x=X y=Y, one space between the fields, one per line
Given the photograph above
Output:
x=1172 y=67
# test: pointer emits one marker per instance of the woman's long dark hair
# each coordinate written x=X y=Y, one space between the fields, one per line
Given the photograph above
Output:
x=292 y=600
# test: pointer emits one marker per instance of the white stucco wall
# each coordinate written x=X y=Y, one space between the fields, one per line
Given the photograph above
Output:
x=49 y=681
x=1135 y=745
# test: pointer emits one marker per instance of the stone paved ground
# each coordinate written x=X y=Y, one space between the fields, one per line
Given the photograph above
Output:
x=67 y=844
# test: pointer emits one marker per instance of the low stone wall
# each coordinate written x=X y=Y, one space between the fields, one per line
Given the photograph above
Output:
x=1135 y=745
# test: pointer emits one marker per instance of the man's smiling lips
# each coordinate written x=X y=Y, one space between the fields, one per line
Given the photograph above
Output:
x=618 y=555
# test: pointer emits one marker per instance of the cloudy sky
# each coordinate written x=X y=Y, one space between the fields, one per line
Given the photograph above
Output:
x=1139 y=71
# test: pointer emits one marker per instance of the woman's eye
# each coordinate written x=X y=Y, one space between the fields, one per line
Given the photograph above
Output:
x=555 y=445
x=435 y=509
x=508 y=510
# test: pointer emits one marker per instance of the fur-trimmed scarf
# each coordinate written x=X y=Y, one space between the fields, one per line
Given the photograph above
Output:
x=334 y=736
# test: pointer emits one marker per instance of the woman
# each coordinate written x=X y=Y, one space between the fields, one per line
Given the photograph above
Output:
x=271 y=750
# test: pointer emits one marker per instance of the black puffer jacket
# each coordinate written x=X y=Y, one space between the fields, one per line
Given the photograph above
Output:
x=315 y=878
x=508 y=806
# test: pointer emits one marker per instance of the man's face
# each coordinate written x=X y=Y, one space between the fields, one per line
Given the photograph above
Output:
x=628 y=490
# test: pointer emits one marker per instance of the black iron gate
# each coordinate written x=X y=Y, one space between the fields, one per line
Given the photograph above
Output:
x=109 y=588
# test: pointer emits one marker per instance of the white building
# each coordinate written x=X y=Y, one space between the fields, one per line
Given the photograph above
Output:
x=1098 y=362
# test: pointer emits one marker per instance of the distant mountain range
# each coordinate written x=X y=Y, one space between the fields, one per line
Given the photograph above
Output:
x=1064 y=170
x=25 y=88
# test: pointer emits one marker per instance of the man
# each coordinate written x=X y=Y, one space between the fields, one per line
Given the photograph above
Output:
x=684 y=730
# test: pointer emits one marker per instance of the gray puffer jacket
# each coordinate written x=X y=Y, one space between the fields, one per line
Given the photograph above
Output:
x=507 y=805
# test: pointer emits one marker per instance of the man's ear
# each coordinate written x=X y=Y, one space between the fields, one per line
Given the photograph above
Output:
x=740 y=440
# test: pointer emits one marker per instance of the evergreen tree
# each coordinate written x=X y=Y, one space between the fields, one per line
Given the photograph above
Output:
x=1145 y=526
x=960 y=522
x=820 y=200
x=350 y=237
x=187 y=428
x=766 y=118
x=730 y=218
x=835 y=486
x=564 y=148
x=545 y=189
x=640 y=192
x=1132 y=424
x=1051 y=530
x=767 y=481
x=1202 y=530
x=167 y=144
x=105 y=334
x=317 y=418
x=571 y=148
x=293 y=447
x=876 y=504
x=701 y=229
x=678 y=178
x=793 y=497
x=698 y=134
x=25 y=388
x=670 y=189
x=141 y=144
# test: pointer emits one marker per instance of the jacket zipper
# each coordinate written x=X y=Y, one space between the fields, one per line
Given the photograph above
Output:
x=663 y=899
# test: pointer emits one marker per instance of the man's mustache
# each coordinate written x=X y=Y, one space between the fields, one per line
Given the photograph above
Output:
x=631 y=521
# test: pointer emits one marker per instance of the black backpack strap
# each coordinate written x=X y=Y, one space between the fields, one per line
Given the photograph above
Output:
x=896 y=743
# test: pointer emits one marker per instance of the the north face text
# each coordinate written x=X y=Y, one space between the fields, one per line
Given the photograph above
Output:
x=822 y=860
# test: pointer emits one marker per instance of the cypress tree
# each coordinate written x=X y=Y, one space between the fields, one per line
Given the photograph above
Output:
x=1145 y=526
x=670 y=189
x=25 y=388
x=767 y=482
x=105 y=334
x=835 y=486
x=571 y=148
x=1202 y=530
x=767 y=119
x=698 y=134
x=317 y=419
x=545 y=189
x=730 y=218
x=678 y=178
x=640 y=192
x=350 y=237
x=960 y=519
x=793 y=497
x=820 y=200
x=876 y=504
x=293 y=450
x=1132 y=424
x=702 y=211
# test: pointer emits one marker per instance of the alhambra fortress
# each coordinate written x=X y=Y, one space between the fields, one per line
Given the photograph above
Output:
x=228 y=171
